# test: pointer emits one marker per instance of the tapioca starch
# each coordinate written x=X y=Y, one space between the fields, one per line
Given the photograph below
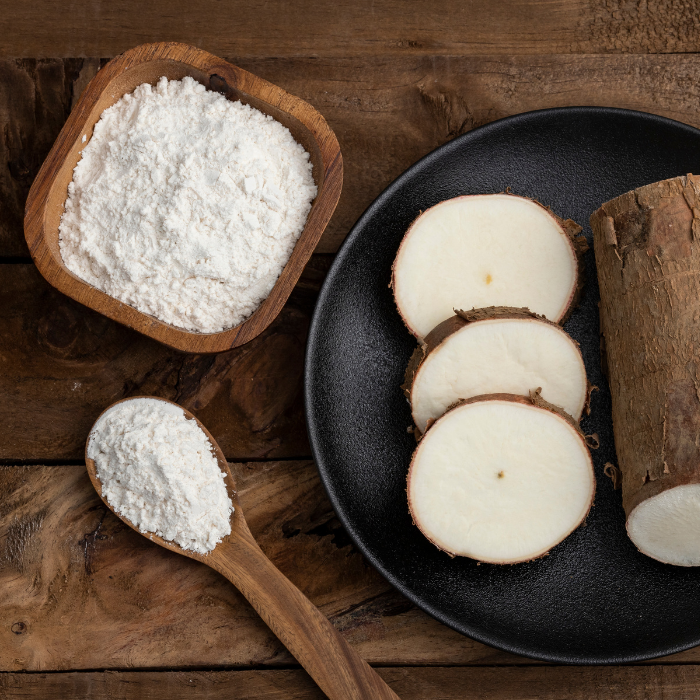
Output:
x=186 y=205
x=158 y=470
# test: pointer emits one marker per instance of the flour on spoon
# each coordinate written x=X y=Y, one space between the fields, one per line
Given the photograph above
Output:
x=158 y=470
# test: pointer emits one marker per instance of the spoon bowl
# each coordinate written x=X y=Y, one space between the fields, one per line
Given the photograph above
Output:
x=238 y=523
x=301 y=627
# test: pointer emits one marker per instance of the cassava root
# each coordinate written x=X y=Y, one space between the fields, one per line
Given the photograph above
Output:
x=647 y=249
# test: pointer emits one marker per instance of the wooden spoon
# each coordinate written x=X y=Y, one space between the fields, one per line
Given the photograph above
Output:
x=301 y=626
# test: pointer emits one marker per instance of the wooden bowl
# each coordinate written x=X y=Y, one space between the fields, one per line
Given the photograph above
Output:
x=146 y=64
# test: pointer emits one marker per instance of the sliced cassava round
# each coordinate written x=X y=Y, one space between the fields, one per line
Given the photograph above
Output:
x=494 y=350
x=648 y=259
x=486 y=250
x=501 y=478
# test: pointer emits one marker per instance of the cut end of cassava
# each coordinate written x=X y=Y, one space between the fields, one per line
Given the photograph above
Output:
x=667 y=526
x=503 y=350
x=500 y=480
x=477 y=251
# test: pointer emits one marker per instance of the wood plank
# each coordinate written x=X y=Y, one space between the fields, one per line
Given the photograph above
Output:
x=79 y=589
x=62 y=365
x=35 y=99
x=525 y=683
x=387 y=112
x=350 y=27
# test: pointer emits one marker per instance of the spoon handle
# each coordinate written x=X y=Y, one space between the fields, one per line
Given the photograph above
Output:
x=300 y=625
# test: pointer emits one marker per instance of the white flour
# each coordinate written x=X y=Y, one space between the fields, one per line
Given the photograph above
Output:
x=186 y=205
x=158 y=470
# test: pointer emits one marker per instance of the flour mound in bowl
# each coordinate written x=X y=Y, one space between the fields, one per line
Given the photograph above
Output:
x=158 y=470
x=186 y=205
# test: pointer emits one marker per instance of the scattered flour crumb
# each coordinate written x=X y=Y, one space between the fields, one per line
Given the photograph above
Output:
x=158 y=470
x=186 y=205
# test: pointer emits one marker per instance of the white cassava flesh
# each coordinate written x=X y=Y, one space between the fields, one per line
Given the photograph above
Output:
x=502 y=354
x=500 y=480
x=667 y=526
x=485 y=250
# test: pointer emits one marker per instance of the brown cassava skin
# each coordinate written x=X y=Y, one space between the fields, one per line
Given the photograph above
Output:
x=534 y=399
x=573 y=235
x=444 y=330
x=647 y=252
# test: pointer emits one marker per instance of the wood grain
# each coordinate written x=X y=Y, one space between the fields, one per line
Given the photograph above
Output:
x=79 y=589
x=62 y=364
x=35 y=99
x=147 y=64
x=351 y=27
x=387 y=112
x=525 y=683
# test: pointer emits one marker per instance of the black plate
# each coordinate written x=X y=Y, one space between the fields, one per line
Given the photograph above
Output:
x=594 y=599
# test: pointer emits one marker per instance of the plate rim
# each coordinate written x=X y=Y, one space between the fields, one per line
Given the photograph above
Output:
x=311 y=428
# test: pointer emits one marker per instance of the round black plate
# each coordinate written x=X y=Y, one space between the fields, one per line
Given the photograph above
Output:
x=594 y=599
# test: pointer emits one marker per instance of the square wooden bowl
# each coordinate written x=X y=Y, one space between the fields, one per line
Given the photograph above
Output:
x=146 y=64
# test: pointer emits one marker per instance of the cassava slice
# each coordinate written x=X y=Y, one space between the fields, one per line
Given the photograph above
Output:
x=486 y=250
x=501 y=478
x=648 y=257
x=494 y=350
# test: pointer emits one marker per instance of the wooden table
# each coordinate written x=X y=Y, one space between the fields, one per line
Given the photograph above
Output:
x=90 y=609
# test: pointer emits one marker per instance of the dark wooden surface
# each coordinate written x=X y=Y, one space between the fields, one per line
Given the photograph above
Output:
x=90 y=609
x=410 y=683
x=61 y=365
x=352 y=27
